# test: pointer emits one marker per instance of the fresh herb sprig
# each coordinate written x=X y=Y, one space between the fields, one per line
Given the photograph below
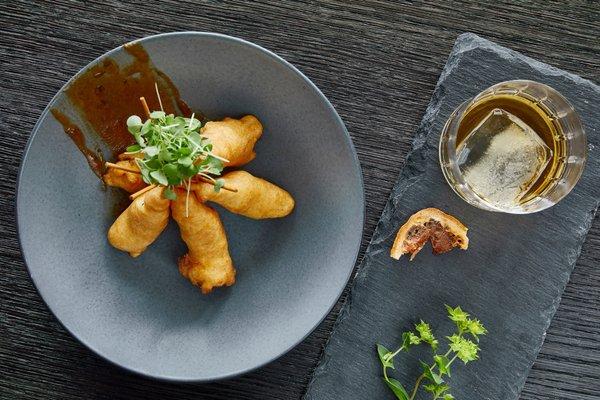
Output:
x=462 y=345
x=173 y=151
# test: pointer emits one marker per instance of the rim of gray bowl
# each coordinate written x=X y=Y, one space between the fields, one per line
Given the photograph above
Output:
x=347 y=138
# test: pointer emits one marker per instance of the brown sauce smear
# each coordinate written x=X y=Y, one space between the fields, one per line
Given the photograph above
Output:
x=107 y=94
x=93 y=158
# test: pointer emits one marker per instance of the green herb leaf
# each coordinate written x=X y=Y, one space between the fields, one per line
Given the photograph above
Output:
x=475 y=328
x=410 y=339
x=146 y=174
x=195 y=138
x=134 y=148
x=164 y=155
x=397 y=389
x=169 y=194
x=426 y=335
x=134 y=122
x=219 y=183
x=456 y=314
x=193 y=123
x=436 y=390
x=442 y=363
x=465 y=349
x=157 y=114
x=212 y=166
x=159 y=177
x=430 y=375
x=459 y=317
x=151 y=151
x=382 y=352
x=172 y=173
x=173 y=149
x=185 y=161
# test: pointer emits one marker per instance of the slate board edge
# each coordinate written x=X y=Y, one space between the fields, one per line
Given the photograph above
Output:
x=410 y=173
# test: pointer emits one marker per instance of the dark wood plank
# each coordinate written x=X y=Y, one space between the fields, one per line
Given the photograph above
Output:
x=376 y=61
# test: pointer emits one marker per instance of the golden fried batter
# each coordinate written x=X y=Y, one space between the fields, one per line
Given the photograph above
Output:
x=255 y=197
x=207 y=263
x=128 y=181
x=234 y=139
x=141 y=223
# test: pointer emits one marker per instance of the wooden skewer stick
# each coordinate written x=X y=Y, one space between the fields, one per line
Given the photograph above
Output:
x=141 y=192
x=133 y=171
x=145 y=105
x=158 y=96
x=224 y=187
x=122 y=168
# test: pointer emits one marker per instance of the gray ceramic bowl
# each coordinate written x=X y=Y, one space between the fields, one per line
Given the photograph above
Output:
x=140 y=313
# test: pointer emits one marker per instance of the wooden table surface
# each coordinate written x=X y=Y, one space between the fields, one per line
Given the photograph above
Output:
x=377 y=62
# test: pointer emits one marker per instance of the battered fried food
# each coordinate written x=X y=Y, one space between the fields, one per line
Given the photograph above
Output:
x=207 y=263
x=141 y=223
x=430 y=224
x=129 y=181
x=234 y=139
x=255 y=197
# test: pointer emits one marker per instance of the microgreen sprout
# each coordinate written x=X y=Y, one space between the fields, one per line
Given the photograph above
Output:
x=462 y=345
x=173 y=151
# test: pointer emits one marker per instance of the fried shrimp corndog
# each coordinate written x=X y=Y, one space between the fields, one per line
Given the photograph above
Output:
x=141 y=223
x=255 y=197
x=234 y=139
x=207 y=263
x=128 y=181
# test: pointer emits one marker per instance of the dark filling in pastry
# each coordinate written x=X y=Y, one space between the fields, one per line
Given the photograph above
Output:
x=441 y=239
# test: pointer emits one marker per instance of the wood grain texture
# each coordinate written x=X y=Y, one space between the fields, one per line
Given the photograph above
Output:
x=376 y=61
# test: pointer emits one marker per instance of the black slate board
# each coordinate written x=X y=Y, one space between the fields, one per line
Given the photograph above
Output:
x=512 y=276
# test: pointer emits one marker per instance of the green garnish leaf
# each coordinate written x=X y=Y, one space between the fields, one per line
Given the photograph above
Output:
x=436 y=390
x=170 y=194
x=157 y=114
x=212 y=166
x=134 y=121
x=397 y=389
x=430 y=375
x=173 y=150
x=172 y=173
x=134 y=148
x=195 y=138
x=459 y=347
x=426 y=335
x=410 y=339
x=475 y=328
x=151 y=151
x=443 y=364
x=465 y=349
x=164 y=155
x=383 y=354
x=219 y=183
x=159 y=177
x=185 y=161
x=193 y=123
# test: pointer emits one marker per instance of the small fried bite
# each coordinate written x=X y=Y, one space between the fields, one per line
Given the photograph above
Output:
x=207 y=263
x=234 y=139
x=128 y=181
x=141 y=223
x=255 y=197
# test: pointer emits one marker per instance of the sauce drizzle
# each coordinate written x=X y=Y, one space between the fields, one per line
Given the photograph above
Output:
x=94 y=159
x=106 y=94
